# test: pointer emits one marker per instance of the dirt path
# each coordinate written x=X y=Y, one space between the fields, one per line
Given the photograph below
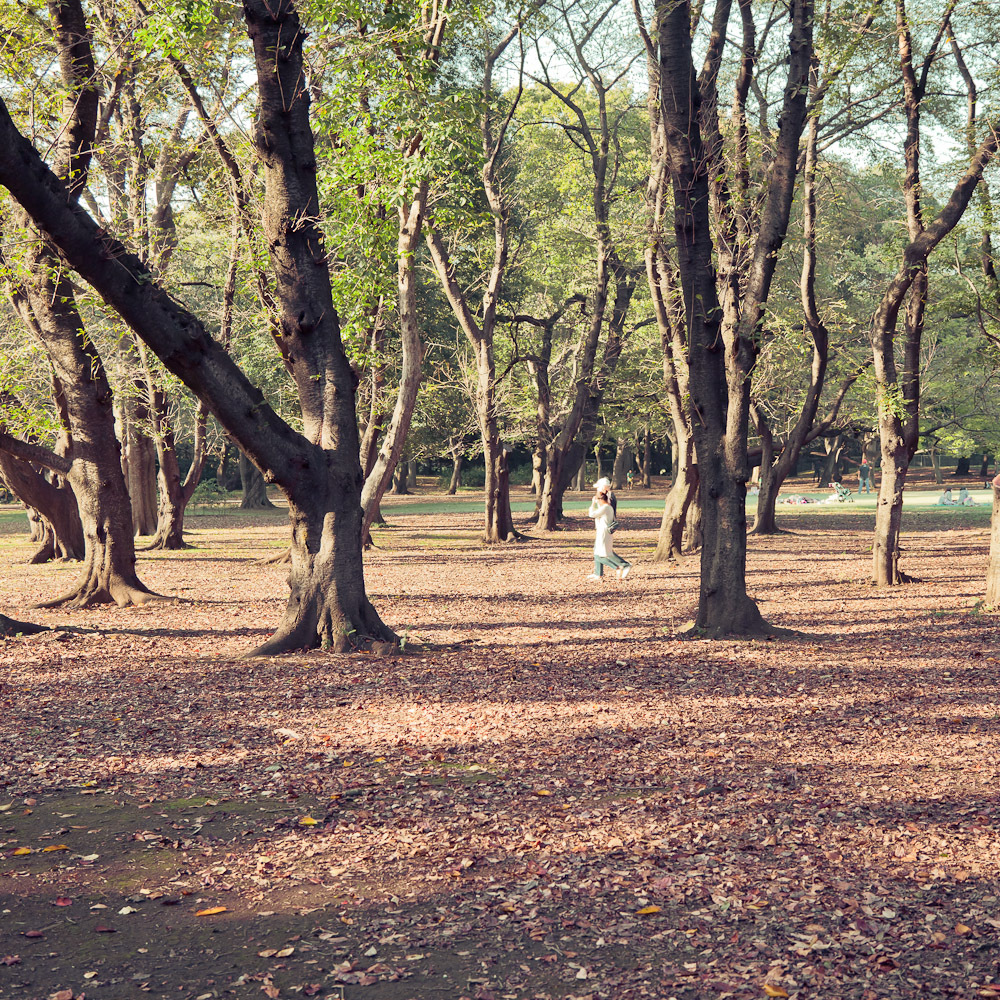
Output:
x=557 y=799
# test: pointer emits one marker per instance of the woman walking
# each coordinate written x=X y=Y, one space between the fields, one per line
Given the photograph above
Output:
x=602 y=510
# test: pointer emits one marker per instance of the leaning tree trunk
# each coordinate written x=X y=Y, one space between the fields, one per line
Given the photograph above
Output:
x=992 y=598
x=52 y=511
x=254 y=487
x=456 y=473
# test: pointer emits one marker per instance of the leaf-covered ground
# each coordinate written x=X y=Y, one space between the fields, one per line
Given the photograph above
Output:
x=548 y=795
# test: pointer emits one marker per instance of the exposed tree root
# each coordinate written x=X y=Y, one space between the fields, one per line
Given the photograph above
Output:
x=278 y=559
x=91 y=592
x=315 y=627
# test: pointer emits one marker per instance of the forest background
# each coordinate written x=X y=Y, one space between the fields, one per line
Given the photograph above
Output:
x=339 y=243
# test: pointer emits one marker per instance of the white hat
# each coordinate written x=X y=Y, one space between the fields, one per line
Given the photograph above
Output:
x=602 y=484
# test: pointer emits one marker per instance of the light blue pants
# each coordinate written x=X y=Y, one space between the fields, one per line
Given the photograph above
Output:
x=613 y=561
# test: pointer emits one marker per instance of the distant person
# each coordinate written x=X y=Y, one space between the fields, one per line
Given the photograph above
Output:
x=946 y=500
x=629 y=479
x=602 y=509
x=964 y=499
x=864 y=476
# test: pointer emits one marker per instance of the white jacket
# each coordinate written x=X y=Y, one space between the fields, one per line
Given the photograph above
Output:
x=603 y=514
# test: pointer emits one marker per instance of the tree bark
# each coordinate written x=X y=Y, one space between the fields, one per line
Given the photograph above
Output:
x=254 y=487
x=174 y=494
x=992 y=598
x=456 y=473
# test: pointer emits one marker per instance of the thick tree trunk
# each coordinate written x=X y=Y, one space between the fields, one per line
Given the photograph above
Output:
x=647 y=459
x=963 y=466
x=254 y=487
x=984 y=467
x=327 y=604
x=411 y=475
x=400 y=476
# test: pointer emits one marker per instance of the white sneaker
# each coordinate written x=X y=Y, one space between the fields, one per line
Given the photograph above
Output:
x=624 y=571
x=593 y=576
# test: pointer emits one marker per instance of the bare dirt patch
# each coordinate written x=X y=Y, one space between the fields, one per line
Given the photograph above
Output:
x=548 y=796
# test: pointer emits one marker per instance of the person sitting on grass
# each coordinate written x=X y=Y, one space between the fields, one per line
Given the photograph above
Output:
x=964 y=499
x=945 y=500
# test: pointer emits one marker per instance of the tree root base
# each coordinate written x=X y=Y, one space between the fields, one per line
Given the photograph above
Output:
x=88 y=595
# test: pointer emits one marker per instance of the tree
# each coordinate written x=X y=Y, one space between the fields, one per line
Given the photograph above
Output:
x=46 y=300
x=898 y=379
x=318 y=468
x=723 y=332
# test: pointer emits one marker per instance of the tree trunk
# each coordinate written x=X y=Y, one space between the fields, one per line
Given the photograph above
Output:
x=647 y=459
x=139 y=462
x=964 y=464
x=671 y=541
x=936 y=465
x=992 y=598
x=456 y=473
x=984 y=468
x=623 y=461
x=174 y=494
x=400 y=476
x=581 y=477
x=767 y=497
x=53 y=513
x=889 y=511
x=411 y=475
x=254 y=487
x=327 y=603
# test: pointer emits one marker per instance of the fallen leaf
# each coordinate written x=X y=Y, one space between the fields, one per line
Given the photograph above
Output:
x=308 y=821
x=284 y=953
x=63 y=901
x=21 y=851
x=647 y=910
x=962 y=929
x=774 y=991
x=62 y=995
x=11 y=960
x=211 y=911
x=54 y=847
x=542 y=791
x=33 y=934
